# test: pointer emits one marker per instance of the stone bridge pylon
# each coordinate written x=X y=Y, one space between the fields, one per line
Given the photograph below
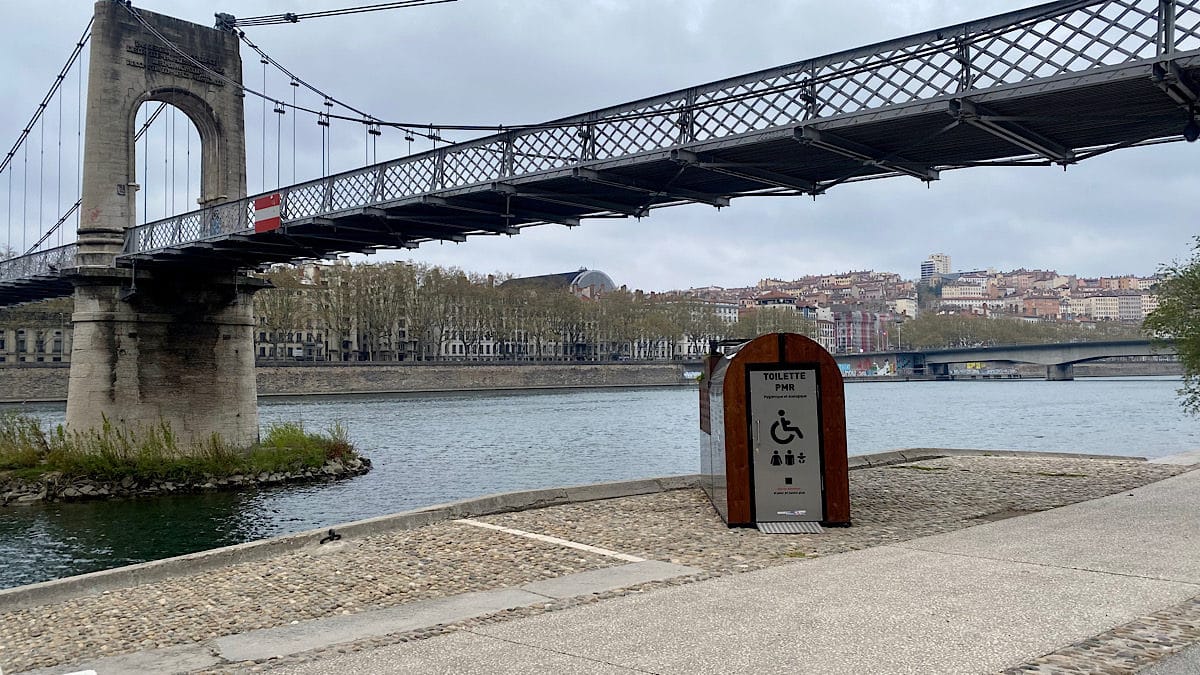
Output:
x=163 y=343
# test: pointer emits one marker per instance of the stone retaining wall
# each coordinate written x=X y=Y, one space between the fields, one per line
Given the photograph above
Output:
x=1100 y=369
x=27 y=383
x=372 y=378
x=48 y=382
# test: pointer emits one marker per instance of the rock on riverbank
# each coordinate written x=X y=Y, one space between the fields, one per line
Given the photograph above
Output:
x=55 y=487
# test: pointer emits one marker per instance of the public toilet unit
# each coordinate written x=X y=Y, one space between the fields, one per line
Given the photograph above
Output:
x=773 y=441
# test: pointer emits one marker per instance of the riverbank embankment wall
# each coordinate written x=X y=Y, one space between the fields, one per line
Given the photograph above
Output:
x=45 y=382
x=48 y=382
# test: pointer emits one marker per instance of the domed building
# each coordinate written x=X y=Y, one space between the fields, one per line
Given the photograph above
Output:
x=583 y=283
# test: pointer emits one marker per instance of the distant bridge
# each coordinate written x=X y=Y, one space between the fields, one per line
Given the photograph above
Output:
x=1059 y=358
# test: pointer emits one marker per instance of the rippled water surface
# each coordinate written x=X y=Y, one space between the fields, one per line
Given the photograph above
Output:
x=433 y=448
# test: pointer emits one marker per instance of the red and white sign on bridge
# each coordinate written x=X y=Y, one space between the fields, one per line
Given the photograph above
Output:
x=266 y=213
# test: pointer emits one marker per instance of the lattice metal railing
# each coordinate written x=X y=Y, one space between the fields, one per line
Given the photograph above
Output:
x=1071 y=36
x=42 y=263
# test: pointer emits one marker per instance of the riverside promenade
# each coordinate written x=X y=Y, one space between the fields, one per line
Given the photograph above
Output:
x=960 y=563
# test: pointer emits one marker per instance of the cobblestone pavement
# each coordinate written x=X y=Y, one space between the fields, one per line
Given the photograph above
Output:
x=889 y=504
x=1124 y=649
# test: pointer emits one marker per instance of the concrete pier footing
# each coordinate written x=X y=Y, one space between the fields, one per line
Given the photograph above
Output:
x=1063 y=372
x=165 y=348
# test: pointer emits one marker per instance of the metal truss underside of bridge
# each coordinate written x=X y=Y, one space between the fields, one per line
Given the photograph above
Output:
x=1053 y=84
x=38 y=276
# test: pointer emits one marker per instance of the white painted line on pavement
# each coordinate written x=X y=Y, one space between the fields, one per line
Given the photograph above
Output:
x=553 y=540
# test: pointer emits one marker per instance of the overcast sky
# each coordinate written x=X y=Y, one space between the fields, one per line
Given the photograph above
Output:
x=526 y=61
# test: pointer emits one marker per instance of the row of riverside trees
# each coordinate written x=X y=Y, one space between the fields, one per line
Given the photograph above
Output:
x=395 y=311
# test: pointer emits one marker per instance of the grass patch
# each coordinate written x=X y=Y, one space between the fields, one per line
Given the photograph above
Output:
x=114 y=452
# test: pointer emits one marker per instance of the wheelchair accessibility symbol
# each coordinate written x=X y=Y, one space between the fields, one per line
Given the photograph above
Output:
x=784 y=424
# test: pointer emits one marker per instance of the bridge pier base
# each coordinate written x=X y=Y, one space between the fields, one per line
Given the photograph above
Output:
x=174 y=347
x=1063 y=372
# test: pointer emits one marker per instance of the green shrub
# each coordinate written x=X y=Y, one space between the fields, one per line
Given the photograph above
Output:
x=113 y=451
x=22 y=443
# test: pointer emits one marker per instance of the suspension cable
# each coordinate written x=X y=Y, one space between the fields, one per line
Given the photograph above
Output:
x=328 y=116
x=78 y=136
x=41 y=167
x=57 y=226
x=279 y=112
x=75 y=208
x=297 y=80
x=411 y=128
x=58 y=165
x=295 y=88
x=174 y=143
x=37 y=114
x=24 y=194
x=187 y=172
x=8 y=201
x=264 y=125
x=289 y=17
x=145 y=186
x=166 y=188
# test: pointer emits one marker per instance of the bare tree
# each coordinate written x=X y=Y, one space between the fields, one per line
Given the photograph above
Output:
x=381 y=294
x=334 y=306
x=468 y=298
x=427 y=308
x=761 y=320
x=619 y=315
x=283 y=307
x=503 y=314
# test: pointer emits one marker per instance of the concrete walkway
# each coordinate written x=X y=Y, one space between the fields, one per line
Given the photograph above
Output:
x=980 y=600
x=1107 y=585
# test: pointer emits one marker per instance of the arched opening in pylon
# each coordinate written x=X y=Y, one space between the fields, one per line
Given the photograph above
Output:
x=168 y=161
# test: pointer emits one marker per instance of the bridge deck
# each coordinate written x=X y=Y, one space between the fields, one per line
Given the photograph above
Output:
x=1056 y=353
x=1121 y=105
x=38 y=276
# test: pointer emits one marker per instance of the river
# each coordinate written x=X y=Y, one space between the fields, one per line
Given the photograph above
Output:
x=431 y=448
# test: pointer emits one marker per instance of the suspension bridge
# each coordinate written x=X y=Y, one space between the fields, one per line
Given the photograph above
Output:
x=1054 y=84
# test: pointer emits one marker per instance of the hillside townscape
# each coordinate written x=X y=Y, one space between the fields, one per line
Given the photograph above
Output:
x=338 y=311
